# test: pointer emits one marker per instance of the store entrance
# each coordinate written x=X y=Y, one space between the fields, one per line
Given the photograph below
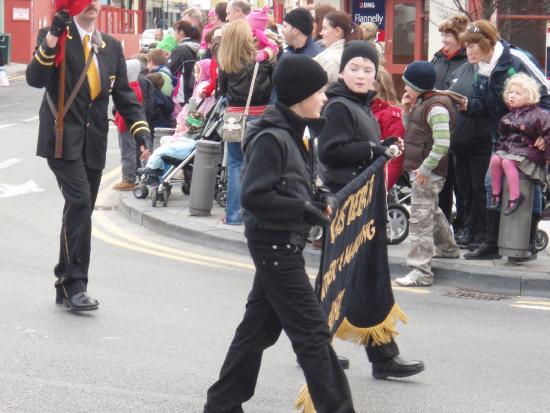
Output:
x=406 y=39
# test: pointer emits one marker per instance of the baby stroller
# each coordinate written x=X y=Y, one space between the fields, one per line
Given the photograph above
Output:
x=541 y=237
x=160 y=184
x=399 y=201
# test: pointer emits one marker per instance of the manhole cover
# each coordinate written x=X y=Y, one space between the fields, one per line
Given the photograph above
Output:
x=476 y=295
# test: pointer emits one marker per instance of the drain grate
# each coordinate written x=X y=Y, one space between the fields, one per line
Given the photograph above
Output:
x=476 y=295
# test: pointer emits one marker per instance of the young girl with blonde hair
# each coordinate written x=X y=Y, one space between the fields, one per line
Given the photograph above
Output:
x=390 y=118
x=236 y=59
x=517 y=132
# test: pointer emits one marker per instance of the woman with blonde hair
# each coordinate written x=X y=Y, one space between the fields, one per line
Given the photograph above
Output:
x=236 y=67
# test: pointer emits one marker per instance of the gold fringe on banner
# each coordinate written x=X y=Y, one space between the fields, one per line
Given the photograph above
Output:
x=304 y=402
x=379 y=334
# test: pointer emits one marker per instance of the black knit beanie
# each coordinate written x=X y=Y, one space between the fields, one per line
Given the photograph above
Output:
x=359 y=48
x=420 y=75
x=300 y=18
x=297 y=77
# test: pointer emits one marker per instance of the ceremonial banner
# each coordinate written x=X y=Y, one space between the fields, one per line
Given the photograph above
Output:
x=354 y=284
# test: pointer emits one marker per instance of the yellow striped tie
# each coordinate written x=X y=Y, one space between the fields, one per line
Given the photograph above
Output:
x=93 y=75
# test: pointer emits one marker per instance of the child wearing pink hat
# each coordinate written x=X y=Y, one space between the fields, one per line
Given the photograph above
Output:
x=267 y=49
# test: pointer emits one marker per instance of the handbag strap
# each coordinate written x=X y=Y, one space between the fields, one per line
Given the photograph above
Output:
x=251 y=89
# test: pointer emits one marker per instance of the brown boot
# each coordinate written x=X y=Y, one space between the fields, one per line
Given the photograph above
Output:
x=124 y=186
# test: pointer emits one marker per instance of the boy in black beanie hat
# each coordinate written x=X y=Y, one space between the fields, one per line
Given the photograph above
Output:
x=279 y=209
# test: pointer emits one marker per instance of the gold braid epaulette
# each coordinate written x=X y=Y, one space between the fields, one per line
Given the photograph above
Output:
x=43 y=58
x=139 y=125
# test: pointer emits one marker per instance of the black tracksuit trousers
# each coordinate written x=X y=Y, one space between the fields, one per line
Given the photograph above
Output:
x=79 y=186
x=282 y=298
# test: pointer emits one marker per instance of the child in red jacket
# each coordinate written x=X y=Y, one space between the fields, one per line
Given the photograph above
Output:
x=390 y=118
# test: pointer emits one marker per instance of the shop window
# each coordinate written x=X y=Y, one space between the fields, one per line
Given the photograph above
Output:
x=404 y=22
x=533 y=7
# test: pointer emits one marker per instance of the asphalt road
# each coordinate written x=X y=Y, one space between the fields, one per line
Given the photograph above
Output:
x=168 y=311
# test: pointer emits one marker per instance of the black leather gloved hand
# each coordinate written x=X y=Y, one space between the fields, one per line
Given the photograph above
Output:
x=314 y=213
x=142 y=137
x=378 y=151
x=59 y=23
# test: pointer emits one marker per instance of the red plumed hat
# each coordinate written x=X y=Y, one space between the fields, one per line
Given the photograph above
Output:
x=74 y=7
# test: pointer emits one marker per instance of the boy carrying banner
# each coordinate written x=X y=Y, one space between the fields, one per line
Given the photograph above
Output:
x=280 y=206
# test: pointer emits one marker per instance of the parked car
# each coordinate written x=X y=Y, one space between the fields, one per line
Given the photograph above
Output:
x=148 y=37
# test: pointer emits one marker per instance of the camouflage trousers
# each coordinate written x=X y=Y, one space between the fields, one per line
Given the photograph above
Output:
x=429 y=231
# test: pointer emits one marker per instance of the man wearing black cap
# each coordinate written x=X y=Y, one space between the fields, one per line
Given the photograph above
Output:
x=280 y=206
x=297 y=29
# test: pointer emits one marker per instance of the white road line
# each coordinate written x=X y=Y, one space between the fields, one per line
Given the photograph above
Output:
x=8 y=105
x=9 y=162
x=531 y=307
x=7 y=125
x=30 y=119
x=28 y=187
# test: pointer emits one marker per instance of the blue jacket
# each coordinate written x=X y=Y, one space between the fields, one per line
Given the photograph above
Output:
x=488 y=100
x=310 y=49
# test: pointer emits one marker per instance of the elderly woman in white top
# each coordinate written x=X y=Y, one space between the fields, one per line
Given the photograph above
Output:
x=338 y=29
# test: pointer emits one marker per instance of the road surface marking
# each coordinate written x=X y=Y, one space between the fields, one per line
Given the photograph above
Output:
x=30 y=119
x=7 y=125
x=8 y=105
x=531 y=307
x=28 y=187
x=9 y=162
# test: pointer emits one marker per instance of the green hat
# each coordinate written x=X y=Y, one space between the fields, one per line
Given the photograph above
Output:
x=169 y=43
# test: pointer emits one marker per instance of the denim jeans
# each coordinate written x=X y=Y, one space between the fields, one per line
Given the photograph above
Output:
x=234 y=163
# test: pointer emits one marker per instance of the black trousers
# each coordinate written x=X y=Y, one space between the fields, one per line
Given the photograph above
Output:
x=446 y=197
x=470 y=173
x=382 y=352
x=281 y=299
x=79 y=186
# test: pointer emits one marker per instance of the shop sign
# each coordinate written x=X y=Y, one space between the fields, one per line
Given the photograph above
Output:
x=20 y=14
x=369 y=11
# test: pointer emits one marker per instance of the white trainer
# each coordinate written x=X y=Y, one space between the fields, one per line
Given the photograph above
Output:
x=412 y=280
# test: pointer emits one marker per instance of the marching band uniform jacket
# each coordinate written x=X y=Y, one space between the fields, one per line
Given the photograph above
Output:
x=86 y=124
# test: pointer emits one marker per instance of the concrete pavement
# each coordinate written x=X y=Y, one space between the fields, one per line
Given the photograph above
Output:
x=15 y=71
x=495 y=276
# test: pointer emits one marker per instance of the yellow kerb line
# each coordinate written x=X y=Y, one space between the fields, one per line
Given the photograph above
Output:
x=546 y=303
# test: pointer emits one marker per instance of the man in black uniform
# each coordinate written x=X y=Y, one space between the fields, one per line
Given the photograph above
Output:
x=78 y=168
x=280 y=206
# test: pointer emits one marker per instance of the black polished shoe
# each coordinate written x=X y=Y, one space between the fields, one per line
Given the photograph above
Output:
x=81 y=302
x=344 y=362
x=396 y=367
x=486 y=251
x=61 y=296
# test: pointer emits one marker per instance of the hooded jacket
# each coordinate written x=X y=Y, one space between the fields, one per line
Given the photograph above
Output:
x=488 y=101
x=277 y=176
x=181 y=61
x=235 y=86
x=519 y=129
x=469 y=135
x=444 y=67
x=346 y=144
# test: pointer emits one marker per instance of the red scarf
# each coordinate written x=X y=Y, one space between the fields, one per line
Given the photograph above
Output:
x=119 y=121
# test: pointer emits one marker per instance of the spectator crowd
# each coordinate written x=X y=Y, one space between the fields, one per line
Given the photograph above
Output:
x=474 y=115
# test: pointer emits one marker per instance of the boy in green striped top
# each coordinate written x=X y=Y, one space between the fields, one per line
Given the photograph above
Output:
x=428 y=114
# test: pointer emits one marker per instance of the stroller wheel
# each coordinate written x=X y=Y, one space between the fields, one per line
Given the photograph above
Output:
x=541 y=240
x=398 y=224
x=141 y=192
x=221 y=198
x=165 y=195
x=154 y=197
x=186 y=188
